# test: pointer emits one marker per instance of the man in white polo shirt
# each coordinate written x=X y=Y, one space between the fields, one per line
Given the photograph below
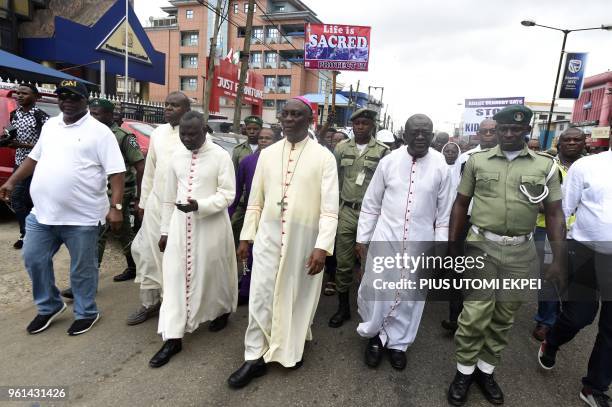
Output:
x=70 y=163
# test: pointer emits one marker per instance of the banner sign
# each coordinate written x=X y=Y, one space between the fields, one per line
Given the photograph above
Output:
x=225 y=84
x=476 y=110
x=336 y=47
x=573 y=75
x=600 y=132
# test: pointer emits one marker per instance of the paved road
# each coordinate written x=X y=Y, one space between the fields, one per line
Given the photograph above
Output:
x=109 y=365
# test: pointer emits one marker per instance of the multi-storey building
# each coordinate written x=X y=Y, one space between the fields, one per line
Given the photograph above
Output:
x=277 y=48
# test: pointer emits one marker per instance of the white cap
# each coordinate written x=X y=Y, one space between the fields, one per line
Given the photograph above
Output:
x=385 y=136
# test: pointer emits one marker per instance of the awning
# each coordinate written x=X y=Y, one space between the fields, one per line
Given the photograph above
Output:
x=319 y=99
x=15 y=67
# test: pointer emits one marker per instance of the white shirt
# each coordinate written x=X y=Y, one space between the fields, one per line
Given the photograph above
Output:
x=588 y=194
x=361 y=147
x=253 y=147
x=73 y=163
x=407 y=200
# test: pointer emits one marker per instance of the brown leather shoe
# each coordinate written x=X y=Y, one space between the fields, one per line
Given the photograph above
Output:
x=540 y=331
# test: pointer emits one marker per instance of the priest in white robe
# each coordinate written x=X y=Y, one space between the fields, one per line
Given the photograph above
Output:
x=291 y=218
x=163 y=143
x=199 y=266
x=405 y=209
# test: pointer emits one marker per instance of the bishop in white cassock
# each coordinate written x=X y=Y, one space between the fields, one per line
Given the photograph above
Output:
x=291 y=217
x=406 y=208
x=163 y=143
x=199 y=266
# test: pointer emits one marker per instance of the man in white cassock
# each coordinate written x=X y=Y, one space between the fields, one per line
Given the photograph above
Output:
x=164 y=141
x=200 y=277
x=405 y=209
x=291 y=218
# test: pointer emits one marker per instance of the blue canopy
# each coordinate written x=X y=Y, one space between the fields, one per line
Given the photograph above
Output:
x=23 y=69
x=319 y=98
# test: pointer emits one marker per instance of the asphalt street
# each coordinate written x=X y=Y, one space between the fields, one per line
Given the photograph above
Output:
x=108 y=366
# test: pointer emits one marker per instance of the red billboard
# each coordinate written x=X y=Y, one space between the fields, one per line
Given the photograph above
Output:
x=336 y=47
x=225 y=84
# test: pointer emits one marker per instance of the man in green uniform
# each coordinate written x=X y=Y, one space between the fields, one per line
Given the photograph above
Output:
x=102 y=110
x=252 y=127
x=506 y=183
x=357 y=160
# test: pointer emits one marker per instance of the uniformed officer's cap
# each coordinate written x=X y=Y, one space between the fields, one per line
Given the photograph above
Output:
x=253 y=120
x=103 y=103
x=514 y=114
x=365 y=113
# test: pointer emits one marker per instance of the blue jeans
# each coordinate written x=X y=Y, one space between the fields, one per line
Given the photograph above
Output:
x=40 y=245
x=548 y=306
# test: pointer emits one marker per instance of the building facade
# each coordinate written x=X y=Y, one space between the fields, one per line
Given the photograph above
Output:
x=594 y=106
x=277 y=49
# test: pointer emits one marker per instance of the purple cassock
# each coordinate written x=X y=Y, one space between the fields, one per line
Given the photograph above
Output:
x=244 y=179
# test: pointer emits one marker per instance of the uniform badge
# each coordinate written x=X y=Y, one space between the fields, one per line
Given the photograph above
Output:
x=519 y=116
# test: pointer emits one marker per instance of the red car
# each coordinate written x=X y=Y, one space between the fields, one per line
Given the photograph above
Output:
x=141 y=130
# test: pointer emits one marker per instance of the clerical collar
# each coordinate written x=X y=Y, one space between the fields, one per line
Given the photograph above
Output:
x=299 y=143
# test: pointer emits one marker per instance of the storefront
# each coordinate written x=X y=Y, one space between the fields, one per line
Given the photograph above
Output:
x=225 y=87
x=79 y=48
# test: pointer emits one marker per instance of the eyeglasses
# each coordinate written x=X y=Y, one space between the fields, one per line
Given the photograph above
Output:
x=73 y=97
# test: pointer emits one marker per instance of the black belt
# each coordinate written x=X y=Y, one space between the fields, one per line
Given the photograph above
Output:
x=352 y=205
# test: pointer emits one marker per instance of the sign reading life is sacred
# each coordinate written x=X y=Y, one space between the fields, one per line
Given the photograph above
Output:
x=573 y=75
x=336 y=47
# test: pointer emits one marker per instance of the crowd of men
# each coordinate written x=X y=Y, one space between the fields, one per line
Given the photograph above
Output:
x=285 y=207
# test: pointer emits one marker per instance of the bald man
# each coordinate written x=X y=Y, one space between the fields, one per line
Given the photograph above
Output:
x=145 y=250
x=406 y=208
x=440 y=141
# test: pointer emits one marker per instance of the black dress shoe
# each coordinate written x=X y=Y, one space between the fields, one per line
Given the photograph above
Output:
x=397 y=359
x=459 y=388
x=128 y=274
x=247 y=372
x=374 y=352
x=343 y=313
x=297 y=365
x=218 y=323
x=489 y=387
x=171 y=347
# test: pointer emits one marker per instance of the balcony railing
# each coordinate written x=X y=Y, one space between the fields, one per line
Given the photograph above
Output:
x=269 y=89
x=257 y=41
x=273 y=40
x=284 y=89
x=271 y=65
x=255 y=65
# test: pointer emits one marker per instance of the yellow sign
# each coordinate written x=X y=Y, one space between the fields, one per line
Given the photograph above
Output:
x=115 y=43
x=600 y=132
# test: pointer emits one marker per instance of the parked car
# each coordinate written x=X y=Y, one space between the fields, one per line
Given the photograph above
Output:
x=141 y=130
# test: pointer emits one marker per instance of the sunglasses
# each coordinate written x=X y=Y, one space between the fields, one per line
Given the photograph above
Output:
x=73 y=97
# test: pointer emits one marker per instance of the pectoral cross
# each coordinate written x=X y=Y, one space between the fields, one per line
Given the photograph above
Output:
x=282 y=204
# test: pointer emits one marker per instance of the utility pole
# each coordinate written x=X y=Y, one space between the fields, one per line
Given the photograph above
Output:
x=244 y=66
x=212 y=54
x=326 y=104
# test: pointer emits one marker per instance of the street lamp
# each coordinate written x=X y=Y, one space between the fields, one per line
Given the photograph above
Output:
x=531 y=23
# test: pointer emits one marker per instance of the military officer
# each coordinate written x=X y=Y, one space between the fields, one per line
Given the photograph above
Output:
x=253 y=126
x=505 y=183
x=357 y=160
x=103 y=111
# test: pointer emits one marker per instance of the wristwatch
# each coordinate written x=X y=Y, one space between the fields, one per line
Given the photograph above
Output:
x=119 y=207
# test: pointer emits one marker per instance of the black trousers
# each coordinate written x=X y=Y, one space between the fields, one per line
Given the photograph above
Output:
x=455 y=304
x=590 y=291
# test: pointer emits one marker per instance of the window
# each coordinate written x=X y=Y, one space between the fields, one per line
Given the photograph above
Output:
x=189 y=83
x=272 y=35
x=279 y=8
x=561 y=127
x=189 y=14
x=189 y=61
x=560 y=117
x=269 y=103
x=284 y=84
x=189 y=39
x=543 y=117
x=257 y=35
x=269 y=84
x=236 y=7
x=256 y=60
x=241 y=32
x=280 y=104
x=246 y=7
x=271 y=60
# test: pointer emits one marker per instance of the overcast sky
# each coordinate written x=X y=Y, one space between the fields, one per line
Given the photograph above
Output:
x=431 y=56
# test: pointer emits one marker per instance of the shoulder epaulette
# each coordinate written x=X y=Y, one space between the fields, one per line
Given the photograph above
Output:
x=380 y=143
x=545 y=154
